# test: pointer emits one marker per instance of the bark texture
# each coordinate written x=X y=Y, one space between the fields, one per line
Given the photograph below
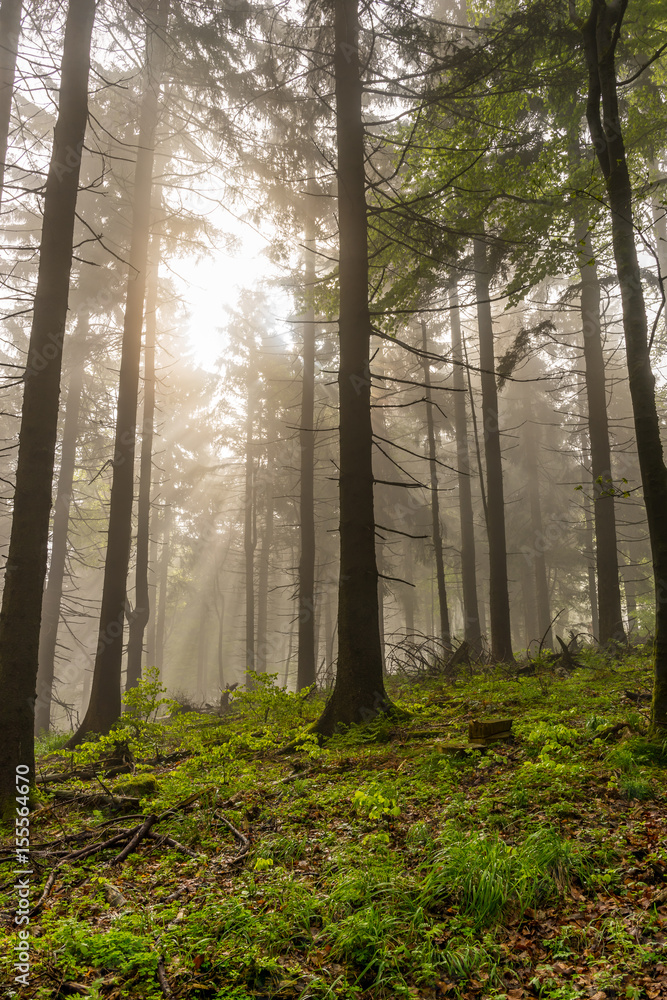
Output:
x=250 y=534
x=306 y=648
x=606 y=544
x=27 y=557
x=358 y=693
x=499 y=604
x=436 y=529
x=10 y=27
x=601 y=32
x=537 y=559
x=472 y=631
x=138 y=617
x=104 y=707
x=48 y=632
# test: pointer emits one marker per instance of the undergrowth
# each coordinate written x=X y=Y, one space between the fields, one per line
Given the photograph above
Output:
x=392 y=862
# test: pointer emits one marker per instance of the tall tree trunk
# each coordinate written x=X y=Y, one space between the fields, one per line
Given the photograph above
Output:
x=540 y=583
x=628 y=573
x=306 y=649
x=660 y=232
x=527 y=579
x=359 y=692
x=151 y=633
x=499 y=604
x=263 y=649
x=409 y=592
x=26 y=561
x=472 y=631
x=202 y=652
x=250 y=536
x=220 y=613
x=606 y=544
x=163 y=583
x=48 y=633
x=601 y=32
x=138 y=617
x=436 y=529
x=10 y=27
x=105 y=697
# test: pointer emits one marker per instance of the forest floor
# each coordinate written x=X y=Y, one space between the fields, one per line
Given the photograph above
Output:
x=396 y=861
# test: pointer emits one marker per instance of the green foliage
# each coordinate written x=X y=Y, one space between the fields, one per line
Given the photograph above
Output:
x=375 y=804
x=119 y=950
x=143 y=702
x=268 y=702
x=491 y=879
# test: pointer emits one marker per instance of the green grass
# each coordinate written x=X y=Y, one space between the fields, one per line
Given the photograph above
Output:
x=385 y=867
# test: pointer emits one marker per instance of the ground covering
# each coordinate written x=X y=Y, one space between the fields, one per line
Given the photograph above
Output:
x=391 y=862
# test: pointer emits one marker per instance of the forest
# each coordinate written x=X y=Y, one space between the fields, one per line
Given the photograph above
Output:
x=333 y=499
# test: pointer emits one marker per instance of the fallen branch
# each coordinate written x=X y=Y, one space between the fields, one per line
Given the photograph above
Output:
x=162 y=978
x=162 y=838
x=237 y=833
x=139 y=835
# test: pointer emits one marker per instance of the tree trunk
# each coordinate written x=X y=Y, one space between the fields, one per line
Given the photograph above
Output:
x=306 y=649
x=540 y=583
x=436 y=530
x=105 y=698
x=220 y=613
x=472 y=631
x=499 y=605
x=531 y=628
x=202 y=653
x=10 y=28
x=28 y=546
x=249 y=536
x=409 y=592
x=606 y=544
x=601 y=32
x=151 y=634
x=263 y=648
x=138 y=618
x=161 y=616
x=48 y=632
x=359 y=692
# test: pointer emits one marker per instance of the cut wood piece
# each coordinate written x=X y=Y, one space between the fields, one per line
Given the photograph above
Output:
x=489 y=729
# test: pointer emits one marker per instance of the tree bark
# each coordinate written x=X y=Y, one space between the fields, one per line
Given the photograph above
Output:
x=264 y=650
x=28 y=546
x=138 y=617
x=105 y=697
x=202 y=653
x=499 y=605
x=10 y=27
x=359 y=692
x=601 y=32
x=436 y=529
x=606 y=543
x=306 y=647
x=48 y=632
x=249 y=534
x=161 y=616
x=472 y=631
x=540 y=582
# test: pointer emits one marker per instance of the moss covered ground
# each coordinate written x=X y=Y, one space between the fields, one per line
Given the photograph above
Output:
x=394 y=861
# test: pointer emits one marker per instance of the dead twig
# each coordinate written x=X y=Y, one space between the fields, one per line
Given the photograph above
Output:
x=241 y=837
x=162 y=838
x=139 y=835
x=162 y=978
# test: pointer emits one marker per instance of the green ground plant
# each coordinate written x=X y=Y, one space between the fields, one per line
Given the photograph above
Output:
x=387 y=863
